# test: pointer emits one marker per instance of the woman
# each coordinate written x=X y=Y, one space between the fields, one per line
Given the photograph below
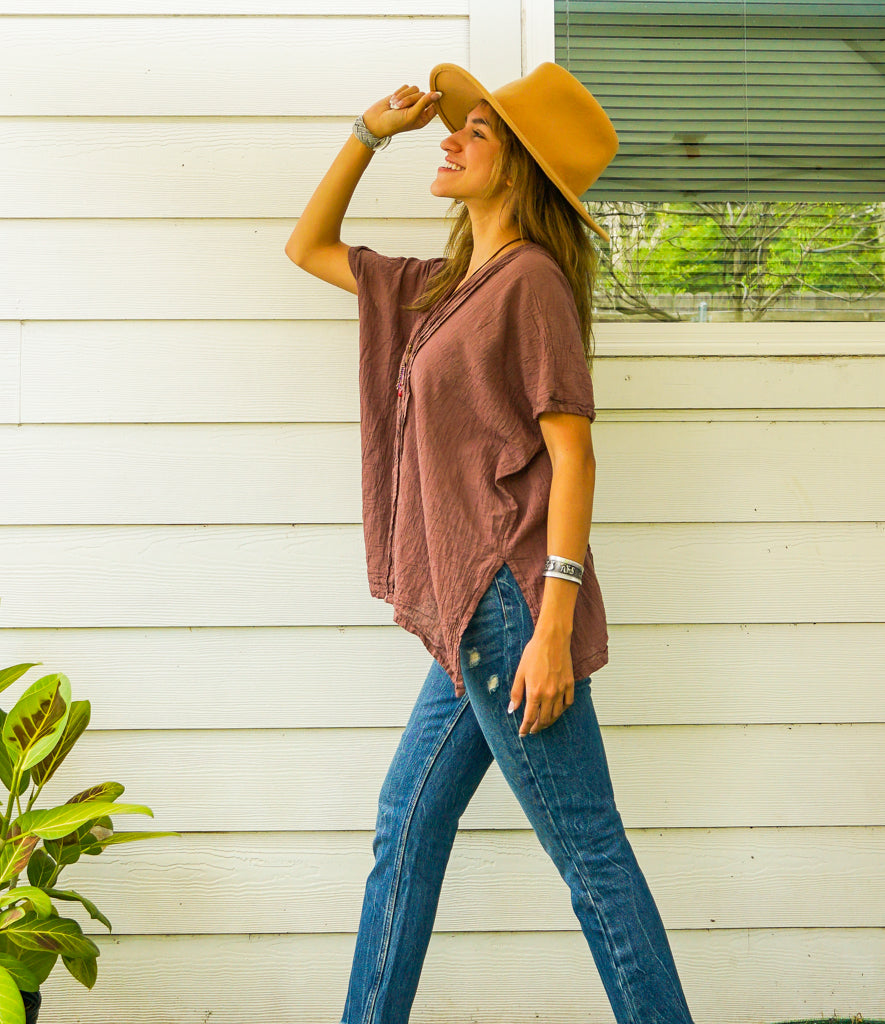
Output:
x=477 y=476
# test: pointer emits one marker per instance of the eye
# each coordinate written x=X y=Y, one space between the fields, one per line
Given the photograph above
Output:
x=477 y=134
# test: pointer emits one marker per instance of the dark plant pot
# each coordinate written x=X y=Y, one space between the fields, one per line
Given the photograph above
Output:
x=32 y=1002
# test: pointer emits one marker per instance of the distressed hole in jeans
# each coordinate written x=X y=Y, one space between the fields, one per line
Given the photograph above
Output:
x=473 y=657
x=493 y=684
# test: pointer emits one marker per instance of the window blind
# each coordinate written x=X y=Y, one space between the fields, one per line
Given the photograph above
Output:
x=734 y=99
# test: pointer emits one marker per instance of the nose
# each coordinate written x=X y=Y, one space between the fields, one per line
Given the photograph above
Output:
x=451 y=142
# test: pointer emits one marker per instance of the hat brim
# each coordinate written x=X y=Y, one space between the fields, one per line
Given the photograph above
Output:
x=460 y=94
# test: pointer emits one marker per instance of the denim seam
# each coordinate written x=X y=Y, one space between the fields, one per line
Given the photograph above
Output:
x=501 y=599
x=567 y=846
x=394 y=888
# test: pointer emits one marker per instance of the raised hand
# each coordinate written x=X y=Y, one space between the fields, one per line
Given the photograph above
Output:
x=413 y=109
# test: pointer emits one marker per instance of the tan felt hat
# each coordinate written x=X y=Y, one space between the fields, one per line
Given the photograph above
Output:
x=555 y=117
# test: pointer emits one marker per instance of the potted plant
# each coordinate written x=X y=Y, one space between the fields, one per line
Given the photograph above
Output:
x=35 y=737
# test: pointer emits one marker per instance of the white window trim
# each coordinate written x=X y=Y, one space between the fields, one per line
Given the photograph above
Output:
x=495 y=41
x=538 y=35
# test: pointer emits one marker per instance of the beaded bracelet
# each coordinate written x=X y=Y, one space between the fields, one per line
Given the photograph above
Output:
x=564 y=568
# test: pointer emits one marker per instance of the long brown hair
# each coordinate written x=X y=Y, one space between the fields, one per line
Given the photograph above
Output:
x=541 y=213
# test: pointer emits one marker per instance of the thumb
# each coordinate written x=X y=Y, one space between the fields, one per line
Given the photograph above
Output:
x=418 y=111
x=422 y=110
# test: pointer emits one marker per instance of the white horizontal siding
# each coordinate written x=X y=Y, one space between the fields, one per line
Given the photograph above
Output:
x=208 y=269
x=731 y=976
x=674 y=776
x=412 y=8
x=703 y=674
x=315 y=575
x=207 y=371
x=230 y=67
x=10 y=383
x=265 y=165
x=171 y=391
x=650 y=472
x=168 y=269
x=187 y=167
x=312 y=882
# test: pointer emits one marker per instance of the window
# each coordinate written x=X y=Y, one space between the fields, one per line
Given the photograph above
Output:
x=750 y=180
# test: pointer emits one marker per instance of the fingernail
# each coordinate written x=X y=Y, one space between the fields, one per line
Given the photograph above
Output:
x=511 y=708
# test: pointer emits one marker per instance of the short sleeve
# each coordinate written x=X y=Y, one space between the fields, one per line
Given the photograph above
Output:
x=547 y=345
x=386 y=283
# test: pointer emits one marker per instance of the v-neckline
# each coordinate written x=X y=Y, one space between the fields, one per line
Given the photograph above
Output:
x=444 y=308
x=491 y=263
x=435 y=316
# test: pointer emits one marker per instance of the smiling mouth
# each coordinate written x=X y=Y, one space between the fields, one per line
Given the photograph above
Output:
x=451 y=167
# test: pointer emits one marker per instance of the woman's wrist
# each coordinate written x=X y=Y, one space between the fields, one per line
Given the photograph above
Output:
x=373 y=127
x=557 y=614
x=369 y=138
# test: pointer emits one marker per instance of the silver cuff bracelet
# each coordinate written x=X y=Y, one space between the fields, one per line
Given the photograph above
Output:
x=564 y=568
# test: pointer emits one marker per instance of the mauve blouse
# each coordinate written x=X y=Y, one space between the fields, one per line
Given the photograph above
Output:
x=455 y=472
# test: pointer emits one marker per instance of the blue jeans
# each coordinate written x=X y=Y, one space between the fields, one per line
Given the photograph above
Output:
x=560 y=777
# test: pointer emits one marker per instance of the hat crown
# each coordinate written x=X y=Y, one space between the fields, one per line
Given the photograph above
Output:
x=554 y=115
x=566 y=125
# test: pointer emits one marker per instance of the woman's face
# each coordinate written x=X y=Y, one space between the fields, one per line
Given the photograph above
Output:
x=472 y=149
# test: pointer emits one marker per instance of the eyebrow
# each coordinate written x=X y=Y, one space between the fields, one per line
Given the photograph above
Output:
x=478 y=120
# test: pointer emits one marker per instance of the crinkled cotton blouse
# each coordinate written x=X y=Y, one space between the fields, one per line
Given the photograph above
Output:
x=455 y=472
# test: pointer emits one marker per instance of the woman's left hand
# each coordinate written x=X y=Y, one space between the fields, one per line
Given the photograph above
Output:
x=545 y=678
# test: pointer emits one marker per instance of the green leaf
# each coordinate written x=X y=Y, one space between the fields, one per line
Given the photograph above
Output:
x=93 y=831
x=132 y=837
x=64 y=851
x=103 y=791
x=41 y=868
x=60 y=821
x=9 y=917
x=9 y=675
x=84 y=969
x=37 y=966
x=12 y=1009
x=55 y=935
x=6 y=765
x=24 y=977
x=78 y=719
x=68 y=848
x=34 y=726
x=15 y=854
x=41 y=903
x=71 y=897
